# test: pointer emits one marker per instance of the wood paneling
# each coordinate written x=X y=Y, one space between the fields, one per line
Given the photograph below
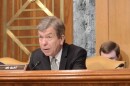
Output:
x=117 y=27
x=68 y=20
x=101 y=23
x=48 y=3
x=118 y=77
x=1 y=30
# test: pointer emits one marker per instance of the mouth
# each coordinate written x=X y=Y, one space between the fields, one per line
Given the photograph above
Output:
x=46 y=50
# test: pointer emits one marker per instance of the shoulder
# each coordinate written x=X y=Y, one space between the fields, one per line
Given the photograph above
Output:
x=74 y=48
x=36 y=52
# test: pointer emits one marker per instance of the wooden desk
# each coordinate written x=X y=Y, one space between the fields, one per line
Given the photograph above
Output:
x=118 y=77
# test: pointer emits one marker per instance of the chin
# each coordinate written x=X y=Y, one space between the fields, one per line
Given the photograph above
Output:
x=47 y=54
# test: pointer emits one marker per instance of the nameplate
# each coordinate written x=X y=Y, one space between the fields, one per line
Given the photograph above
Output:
x=12 y=67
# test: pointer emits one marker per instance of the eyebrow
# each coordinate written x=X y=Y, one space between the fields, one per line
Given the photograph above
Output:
x=50 y=33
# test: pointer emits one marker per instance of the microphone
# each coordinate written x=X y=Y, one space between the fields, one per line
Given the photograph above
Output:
x=37 y=63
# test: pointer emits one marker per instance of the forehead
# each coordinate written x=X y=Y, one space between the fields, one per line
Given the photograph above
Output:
x=49 y=30
x=111 y=54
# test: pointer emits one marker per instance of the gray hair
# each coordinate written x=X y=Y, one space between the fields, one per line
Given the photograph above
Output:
x=52 y=21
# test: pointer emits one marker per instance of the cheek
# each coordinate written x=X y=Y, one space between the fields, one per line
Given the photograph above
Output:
x=40 y=41
x=55 y=45
x=62 y=41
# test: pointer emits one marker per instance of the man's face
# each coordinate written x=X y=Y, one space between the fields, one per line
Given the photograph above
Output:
x=111 y=55
x=50 y=44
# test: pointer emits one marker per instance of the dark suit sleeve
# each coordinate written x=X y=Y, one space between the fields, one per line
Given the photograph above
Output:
x=33 y=59
x=79 y=62
x=30 y=65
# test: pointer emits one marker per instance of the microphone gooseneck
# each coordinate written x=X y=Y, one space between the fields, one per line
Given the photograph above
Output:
x=37 y=63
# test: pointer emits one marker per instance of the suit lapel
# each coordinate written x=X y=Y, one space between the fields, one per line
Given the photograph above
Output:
x=47 y=63
x=64 y=57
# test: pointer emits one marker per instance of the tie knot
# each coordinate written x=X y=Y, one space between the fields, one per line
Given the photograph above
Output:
x=53 y=59
x=54 y=64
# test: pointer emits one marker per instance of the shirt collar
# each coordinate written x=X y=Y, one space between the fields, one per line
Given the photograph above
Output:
x=58 y=57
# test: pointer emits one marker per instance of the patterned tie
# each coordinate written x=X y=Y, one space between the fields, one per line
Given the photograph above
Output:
x=53 y=64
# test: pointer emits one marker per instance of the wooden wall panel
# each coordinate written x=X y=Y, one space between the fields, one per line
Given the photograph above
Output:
x=119 y=25
x=48 y=3
x=68 y=20
x=101 y=23
x=1 y=30
x=113 y=23
x=57 y=8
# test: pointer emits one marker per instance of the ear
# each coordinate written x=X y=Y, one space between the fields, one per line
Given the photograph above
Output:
x=62 y=39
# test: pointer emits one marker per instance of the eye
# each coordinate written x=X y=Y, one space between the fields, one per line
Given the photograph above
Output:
x=40 y=37
x=49 y=36
x=113 y=58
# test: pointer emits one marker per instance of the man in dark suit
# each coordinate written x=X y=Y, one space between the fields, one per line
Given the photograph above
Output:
x=51 y=32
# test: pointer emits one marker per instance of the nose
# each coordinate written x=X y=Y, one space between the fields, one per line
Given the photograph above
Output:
x=43 y=41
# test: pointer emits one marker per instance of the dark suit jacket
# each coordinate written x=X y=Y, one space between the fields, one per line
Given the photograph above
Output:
x=73 y=57
x=1 y=63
